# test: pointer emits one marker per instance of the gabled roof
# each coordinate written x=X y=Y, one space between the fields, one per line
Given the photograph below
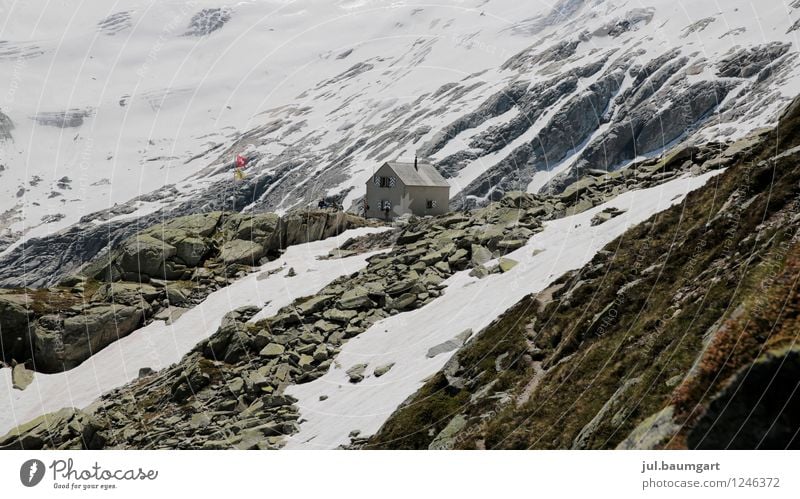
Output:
x=425 y=174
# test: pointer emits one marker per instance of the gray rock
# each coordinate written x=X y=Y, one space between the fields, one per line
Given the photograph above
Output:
x=479 y=271
x=239 y=251
x=402 y=302
x=356 y=298
x=170 y=314
x=383 y=369
x=126 y=293
x=63 y=343
x=314 y=304
x=446 y=439
x=191 y=250
x=480 y=255
x=652 y=432
x=613 y=404
x=272 y=350
x=340 y=316
x=356 y=373
x=506 y=264
x=452 y=344
x=21 y=377
x=144 y=254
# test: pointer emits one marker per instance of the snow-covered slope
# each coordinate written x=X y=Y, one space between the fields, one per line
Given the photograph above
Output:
x=137 y=107
x=108 y=101
x=416 y=343
x=159 y=345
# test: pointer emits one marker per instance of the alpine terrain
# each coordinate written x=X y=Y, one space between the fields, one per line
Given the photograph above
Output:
x=186 y=260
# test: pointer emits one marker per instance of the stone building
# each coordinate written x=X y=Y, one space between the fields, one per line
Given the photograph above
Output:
x=398 y=188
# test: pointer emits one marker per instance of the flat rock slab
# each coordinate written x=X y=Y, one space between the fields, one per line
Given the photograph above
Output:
x=450 y=345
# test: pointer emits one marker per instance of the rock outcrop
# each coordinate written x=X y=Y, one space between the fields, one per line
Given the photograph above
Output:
x=153 y=275
x=62 y=343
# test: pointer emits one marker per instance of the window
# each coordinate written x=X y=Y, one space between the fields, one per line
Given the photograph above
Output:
x=386 y=182
x=431 y=204
x=386 y=205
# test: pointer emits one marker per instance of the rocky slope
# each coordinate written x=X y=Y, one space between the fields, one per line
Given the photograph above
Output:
x=524 y=98
x=156 y=274
x=231 y=390
x=682 y=333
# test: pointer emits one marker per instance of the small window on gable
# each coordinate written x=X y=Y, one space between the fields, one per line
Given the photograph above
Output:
x=386 y=182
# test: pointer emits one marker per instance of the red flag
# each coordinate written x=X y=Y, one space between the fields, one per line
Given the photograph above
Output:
x=240 y=161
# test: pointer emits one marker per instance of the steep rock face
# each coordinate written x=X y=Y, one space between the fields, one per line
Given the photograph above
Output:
x=633 y=109
x=650 y=127
x=580 y=116
x=749 y=62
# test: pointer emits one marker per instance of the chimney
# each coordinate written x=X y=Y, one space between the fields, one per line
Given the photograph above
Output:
x=415 y=163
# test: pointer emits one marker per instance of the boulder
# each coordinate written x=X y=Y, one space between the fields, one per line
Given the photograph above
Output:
x=356 y=373
x=272 y=350
x=381 y=370
x=60 y=344
x=125 y=293
x=402 y=302
x=314 y=304
x=170 y=314
x=239 y=251
x=458 y=257
x=263 y=228
x=480 y=255
x=313 y=225
x=479 y=271
x=191 y=250
x=446 y=439
x=652 y=432
x=21 y=377
x=518 y=199
x=340 y=316
x=506 y=264
x=401 y=287
x=511 y=244
x=144 y=254
x=452 y=344
x=356 y=298
x=200 y=224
